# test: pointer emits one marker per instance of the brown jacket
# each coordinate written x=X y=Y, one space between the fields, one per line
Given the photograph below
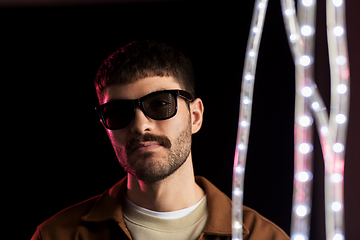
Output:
x=99 y=218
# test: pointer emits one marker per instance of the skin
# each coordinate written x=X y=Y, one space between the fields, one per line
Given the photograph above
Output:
x=149 y=163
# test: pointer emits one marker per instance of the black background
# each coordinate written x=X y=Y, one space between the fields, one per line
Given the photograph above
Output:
x=57 y=153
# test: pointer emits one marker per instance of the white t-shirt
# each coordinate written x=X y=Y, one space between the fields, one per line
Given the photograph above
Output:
x=183 y=224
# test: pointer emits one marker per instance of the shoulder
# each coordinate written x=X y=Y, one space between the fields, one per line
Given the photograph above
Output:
x=72 y=214
x=84 y=216
x=66 y=221
x=255 y=226
x=260 y=227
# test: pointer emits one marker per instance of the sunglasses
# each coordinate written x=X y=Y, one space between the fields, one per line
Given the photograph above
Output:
x=160 y=105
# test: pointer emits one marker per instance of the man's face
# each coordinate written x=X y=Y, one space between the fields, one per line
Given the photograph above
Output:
x=148 y=149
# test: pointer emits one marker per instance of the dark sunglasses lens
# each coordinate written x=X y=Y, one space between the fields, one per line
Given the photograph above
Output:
x=160 y=105
x=118 y=114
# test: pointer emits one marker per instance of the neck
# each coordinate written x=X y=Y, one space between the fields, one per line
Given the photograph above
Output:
x=176 y=192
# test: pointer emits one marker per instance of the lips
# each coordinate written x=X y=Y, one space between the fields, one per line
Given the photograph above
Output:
x=147 y=142
x=145 y=146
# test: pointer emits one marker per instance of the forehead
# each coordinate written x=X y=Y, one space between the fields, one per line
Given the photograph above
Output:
x=139 y=88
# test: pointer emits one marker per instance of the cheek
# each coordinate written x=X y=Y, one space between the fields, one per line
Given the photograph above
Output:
x=177 y=124
x=117 y=137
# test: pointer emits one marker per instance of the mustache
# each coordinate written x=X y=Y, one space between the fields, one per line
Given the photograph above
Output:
x=162 y=140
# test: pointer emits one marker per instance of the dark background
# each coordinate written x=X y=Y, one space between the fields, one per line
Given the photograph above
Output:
x=57 y=153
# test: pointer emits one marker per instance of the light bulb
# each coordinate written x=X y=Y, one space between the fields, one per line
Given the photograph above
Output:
x=306 y=30
x=336 y=177
x=301 y=210
x=293 y=37
x=303 y=176
x=307 y=3
x=249 y=77
x=261 y=6
x=305 y=148
x=338 y=236
x=305 y=121
x=289 y=12
x=337 y=3
x=239 y=169
x=237 y=191
x=315 y=106
x=298 y=237
x=324 y=130
x=241 y=146
x=338 y=31
x=341 y=88
x=237 y=225
x=336 y=206
x=244 y=123
x=305 y=60
x=340 y=118
x=306 y=91
x=246 y=101
x=340 y=60
x=338 y=147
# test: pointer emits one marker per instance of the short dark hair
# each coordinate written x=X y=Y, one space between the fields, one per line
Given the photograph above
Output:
x=141 y=59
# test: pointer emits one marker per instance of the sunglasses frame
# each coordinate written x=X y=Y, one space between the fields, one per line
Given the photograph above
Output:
x=140 y=103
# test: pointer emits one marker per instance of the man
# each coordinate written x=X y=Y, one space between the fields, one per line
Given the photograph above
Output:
x=147 y=106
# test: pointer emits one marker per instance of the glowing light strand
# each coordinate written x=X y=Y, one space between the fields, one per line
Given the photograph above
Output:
x=248 y=80
x=332 y=132
x=339 y=69
x=303 y=52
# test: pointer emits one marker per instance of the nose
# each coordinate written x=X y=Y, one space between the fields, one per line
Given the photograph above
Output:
x=141 y=123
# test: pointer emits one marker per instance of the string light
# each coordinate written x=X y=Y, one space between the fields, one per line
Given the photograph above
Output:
x=305 y=148
x=301 y=44
x=245 y=115
x=244 y=123
x=303 y=176
x=340 y=118
x=255 y=29
x=239 y=169
x=302 y=210
x=249 y=77
x=324 y=130
x=307 y=91
x=338 y=147
x=306 y=30
x=337 y=3
x=338 y=236
x=338 y=31
x=341 y=88
x=289 y=11
x=336 y=177
x=336 y=206
x=299 y=237
x=305 y=121
x=307 y=3
x=331 y=129
x=315 y=106
x=294 y=37
x=241 y=146
x=305 y=60
x=246 y=101
x=340 y=60
x=252 y=53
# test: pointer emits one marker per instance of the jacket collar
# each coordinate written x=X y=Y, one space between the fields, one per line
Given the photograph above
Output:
x=219 y=207
x=108 y=207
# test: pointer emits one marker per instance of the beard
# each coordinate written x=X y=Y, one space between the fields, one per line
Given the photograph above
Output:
x=151 y=167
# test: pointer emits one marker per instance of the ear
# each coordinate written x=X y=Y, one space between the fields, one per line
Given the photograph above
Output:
x=196 y=111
